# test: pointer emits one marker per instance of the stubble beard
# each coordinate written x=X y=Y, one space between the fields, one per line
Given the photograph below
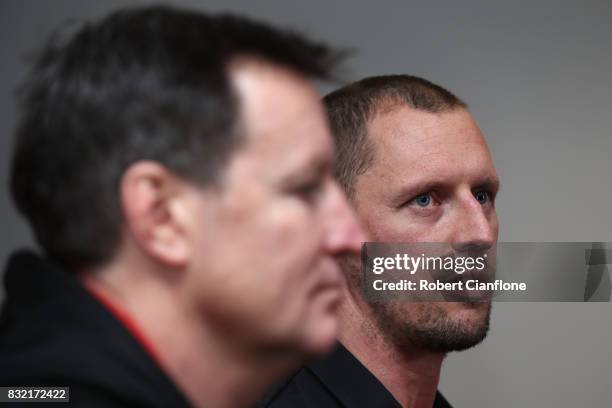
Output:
x=420 y=325
x=427 y=326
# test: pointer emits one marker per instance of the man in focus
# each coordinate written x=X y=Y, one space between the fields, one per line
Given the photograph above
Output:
x=417 y=169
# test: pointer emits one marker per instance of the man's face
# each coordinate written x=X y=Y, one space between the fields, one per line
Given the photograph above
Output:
x=432 y=180
x=268 y=235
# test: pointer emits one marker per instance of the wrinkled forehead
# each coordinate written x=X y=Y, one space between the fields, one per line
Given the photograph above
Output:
x=446 y=143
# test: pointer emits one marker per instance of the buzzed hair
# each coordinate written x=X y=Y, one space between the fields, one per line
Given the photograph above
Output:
x=351 y=108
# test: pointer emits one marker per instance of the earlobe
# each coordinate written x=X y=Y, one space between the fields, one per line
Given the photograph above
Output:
x=150 y=195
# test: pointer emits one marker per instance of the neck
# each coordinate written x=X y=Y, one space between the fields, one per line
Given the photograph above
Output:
x=410 y=375
x=210 y=370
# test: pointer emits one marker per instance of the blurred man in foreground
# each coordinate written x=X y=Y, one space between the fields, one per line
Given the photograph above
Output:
x=176 y=170
x=417 y=169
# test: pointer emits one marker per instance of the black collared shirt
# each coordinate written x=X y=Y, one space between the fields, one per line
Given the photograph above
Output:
x=54 y=333
x=337 y=381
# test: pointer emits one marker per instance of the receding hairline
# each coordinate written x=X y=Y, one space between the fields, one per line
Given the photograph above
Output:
x=352 y=108
x=251 y=77
x=390 y=104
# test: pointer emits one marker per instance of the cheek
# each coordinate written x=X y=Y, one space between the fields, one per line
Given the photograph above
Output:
x=261 y=282
x=276 y=245
x=294 y=237
x=291 y=262
x=393 y=227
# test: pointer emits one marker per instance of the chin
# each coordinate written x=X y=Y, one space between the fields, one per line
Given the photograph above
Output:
x=320 y=336
x=437 y=326
x=468 y=310
x=320 y=327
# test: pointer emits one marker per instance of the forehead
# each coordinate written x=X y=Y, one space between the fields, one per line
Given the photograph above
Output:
x=413 y=144
x=281 y=112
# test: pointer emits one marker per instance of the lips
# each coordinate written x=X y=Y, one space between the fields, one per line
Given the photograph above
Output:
x=328 y=289
x=449 y=276
x=333 y=278
x=330 y=278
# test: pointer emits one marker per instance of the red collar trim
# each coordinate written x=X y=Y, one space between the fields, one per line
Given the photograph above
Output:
x=127 y=321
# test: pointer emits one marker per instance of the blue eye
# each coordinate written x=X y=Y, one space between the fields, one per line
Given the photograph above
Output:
x=423 y=200
x=482 y=197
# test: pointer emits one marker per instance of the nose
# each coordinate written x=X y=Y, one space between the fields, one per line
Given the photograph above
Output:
x=475 y=227
x=344 y=232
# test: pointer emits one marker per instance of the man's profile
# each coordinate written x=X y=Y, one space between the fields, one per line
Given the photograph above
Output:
x=417 y=169
x=176 y=170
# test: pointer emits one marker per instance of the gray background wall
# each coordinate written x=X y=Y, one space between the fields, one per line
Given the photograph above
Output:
x=537 y=77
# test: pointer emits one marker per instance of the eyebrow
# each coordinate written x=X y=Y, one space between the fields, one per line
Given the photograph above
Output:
x=490 y=182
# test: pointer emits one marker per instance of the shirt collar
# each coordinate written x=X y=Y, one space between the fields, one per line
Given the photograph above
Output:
x=354 y=385
x=350 y=382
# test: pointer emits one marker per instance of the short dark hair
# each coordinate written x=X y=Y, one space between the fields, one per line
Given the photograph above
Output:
x=352 y=107
x=145 y=83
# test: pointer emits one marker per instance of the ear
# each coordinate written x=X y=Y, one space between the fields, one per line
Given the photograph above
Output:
x=154 y=203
